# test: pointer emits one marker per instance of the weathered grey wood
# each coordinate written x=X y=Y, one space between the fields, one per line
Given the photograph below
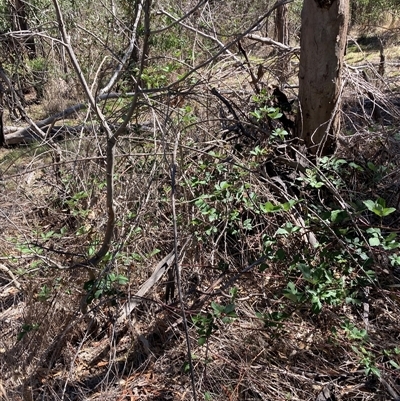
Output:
x=136 y=299
x=15 y=135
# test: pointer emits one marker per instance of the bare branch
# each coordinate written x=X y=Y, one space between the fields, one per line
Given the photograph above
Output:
x=78 y=70
x=274 y=43
x=232 y=42
x=128 y=53
x=204 y=35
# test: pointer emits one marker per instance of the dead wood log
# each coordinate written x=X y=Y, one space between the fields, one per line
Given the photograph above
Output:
x=17 y=135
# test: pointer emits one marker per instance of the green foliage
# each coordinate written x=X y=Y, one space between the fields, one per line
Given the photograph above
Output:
x=108 y=285
x=268 y=207
x=332 y=275
x=229 y=202
x=221 y=202
x=354 y=333
x=186 y=116
x=366 y=359
x=377 y=172
x=379 y=207
x=362 y=348
x=372 y=12
x=156 y=76
x=263 y=112
x=388 y=355
x=174 y=41
x=207 y=324
x=327 y=276
x=225 y=205
x=28 y=249
x=207 y=396
x=38 y=65
x=27 y=328
x=330 y=171
x=274 y=319
x=318 y=285
x=376 y=239
x=287 y=229
x=44 y=294
x=5 y=23
x=78 y=205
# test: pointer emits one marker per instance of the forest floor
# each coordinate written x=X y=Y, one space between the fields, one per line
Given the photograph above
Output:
x=252 y=336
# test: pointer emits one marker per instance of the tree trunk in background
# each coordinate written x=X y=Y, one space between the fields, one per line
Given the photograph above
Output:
x=282 y=36
x=19 y=22
x=324 y=26
x=281 y=24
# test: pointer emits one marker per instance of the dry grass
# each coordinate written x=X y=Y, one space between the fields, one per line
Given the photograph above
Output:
x=58 y=96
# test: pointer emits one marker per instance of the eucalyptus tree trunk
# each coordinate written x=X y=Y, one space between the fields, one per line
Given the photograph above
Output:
x=324 y=26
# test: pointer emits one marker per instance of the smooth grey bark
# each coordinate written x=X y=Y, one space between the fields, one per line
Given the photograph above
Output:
x=324 y=26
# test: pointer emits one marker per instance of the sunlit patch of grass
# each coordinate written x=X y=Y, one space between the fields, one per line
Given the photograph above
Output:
x=354 y=56
x=393 y=52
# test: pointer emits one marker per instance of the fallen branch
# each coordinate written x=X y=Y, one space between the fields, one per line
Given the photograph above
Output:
x=14 y=280
x=136 y=299
x=17 y=135
x=274 y=43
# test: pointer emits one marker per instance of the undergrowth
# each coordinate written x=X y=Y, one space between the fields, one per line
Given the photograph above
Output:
x=284 y=266
x=290 y=267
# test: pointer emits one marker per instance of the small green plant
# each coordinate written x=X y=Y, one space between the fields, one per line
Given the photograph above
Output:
x=44 y=294
x=378 y=172
x=354 y=333
x=379 y=207
x=105 y=286
x=330 y=171
x=279 y=133
x=312 y=178
x=389 y=354
x=360 y=346
x=207 y=396
x=155 y=76
x=27 y=328
x=366 y=359
x=262 y=112
x=207 y=324
x=326 y=281
x=269 y=207
x=273 y=319
x=77 y=204
x=186 y=364
x=29 y=249
x=186 y=115
x=261 y=99
x=222 y=199
x=257 y=151
x=377 y=239
x=394 y=259
x=38 y=64
x=287 y=229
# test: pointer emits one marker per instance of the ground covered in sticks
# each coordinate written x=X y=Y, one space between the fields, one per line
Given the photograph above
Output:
x=281 y=273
